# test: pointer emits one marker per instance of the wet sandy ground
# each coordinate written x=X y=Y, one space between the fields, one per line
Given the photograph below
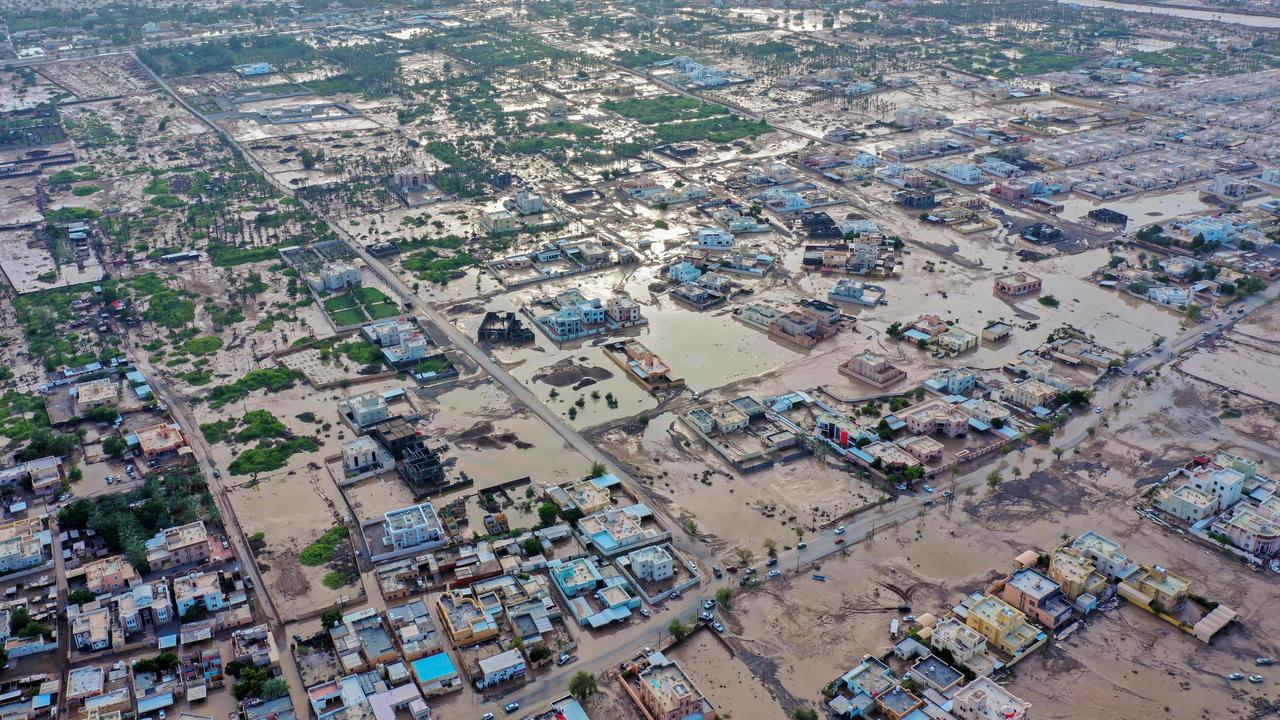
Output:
x=724 y=679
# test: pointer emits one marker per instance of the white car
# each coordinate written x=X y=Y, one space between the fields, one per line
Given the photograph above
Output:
x=927 y=488
x=775 y=573
x=839 y=530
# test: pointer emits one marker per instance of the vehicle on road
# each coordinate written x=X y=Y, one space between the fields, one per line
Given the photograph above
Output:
x=565 y=659
x=839 y=530
x=1264 y=661
x=715 y=569
x=645 y=612
x=717 y=626
x=1255 y=679
x=928 y=488
x=708 y=604
x=774 y=573
x=947 y=493
x=511 y=707
x=801 y=545
x=693 y=566
x=216 y=474
x=819 y=578
x=1097 y=411
x=1236 y=676
x=648 y=650
x=771 y=562
x=839 y=541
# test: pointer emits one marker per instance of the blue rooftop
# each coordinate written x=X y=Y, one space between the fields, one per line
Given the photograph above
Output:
x=917 y=336
x=606 y=481
x=433 y=667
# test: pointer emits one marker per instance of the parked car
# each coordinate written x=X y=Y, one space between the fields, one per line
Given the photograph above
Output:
x=928 y=488
x=693 y=567
x=947 y=493
x=839 y=541
x=706 y=616
x=715 y=569
x=565 y=659
x=486 y=716
x=645 y=612
x=839 y=530
x=771 y=562
x=1236 y=676
x=802 y=545
x=708 y=604
x=1264 y=661
x=717 y=626
x=775 y=573
x=1255 y=679
x=511 y=707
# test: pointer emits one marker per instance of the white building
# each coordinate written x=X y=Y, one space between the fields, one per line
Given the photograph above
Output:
x=362 y=455
x=652 y=564
x=361 y=411
x=333 y=276
x=528 y=203
x=713 y=238
x=413 y=526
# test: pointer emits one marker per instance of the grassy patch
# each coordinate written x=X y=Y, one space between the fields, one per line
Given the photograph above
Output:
x=339 y=302
x=351 y=316
x=663 y=109
x=203 y=345
x=268 y=455
x=272 y=380
x=168 y=202
x=718 y=130
x=360 y=351
x=198 y=377
x=321 y=551
x=85 y=190
x=336 y=579
x=222 y=255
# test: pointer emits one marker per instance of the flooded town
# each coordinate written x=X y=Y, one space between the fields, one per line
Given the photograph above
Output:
x=566 y=360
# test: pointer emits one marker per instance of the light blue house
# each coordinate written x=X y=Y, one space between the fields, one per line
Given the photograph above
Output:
x=683 y=272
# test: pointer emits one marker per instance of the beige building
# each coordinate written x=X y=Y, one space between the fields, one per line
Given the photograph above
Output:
x=982 y=699
x=1029 y=394
x=1075 y=574
x=873 y=369
x=110 y=575
x=937 y=416
x=667 y=693
x=1018 y=283
x=922 y=448
x=1155 y=587
x=956 y=340
x=175 y=546
x=1002 y=625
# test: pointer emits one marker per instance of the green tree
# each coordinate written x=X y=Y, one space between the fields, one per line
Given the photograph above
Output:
x=547 y=514
x=583 y=686
x=724 y=596
x=804 y=713
x=331 y=618
x=597 y=469
x=114 y=446
x=80 y=596
x=678 y=630
x=771 y=547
